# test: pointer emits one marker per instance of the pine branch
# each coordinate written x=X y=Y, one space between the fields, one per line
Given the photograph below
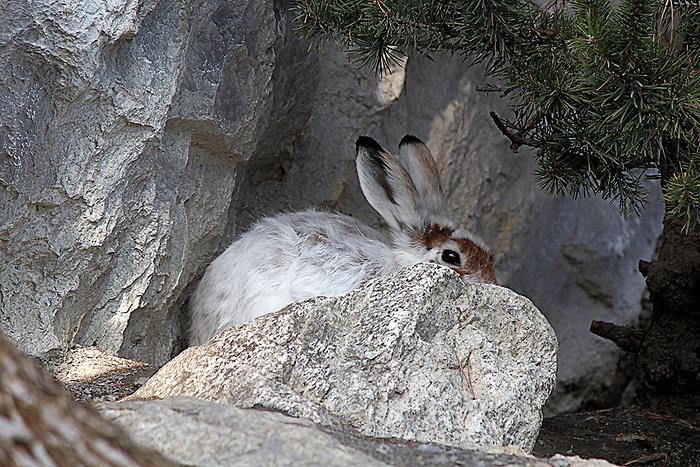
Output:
x=596 y=92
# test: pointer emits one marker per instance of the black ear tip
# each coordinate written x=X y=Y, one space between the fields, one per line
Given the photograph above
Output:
x=368 y=143
x=409 y=139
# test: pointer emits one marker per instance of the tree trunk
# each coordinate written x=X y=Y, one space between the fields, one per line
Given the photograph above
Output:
x=668 y=362
x=40 y=425
x=668 y=351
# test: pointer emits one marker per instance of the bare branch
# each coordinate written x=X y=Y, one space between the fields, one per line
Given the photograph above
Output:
x=516 y=139
x=625 y=337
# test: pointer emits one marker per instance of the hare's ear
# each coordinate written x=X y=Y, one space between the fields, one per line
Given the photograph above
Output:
x=386 y=185
x=420 y=165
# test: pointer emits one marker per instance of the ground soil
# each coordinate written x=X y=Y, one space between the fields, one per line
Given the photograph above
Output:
x=625 y=436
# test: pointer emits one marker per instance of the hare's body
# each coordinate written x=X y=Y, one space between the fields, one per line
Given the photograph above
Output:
x=286 y=259
x=293 y=257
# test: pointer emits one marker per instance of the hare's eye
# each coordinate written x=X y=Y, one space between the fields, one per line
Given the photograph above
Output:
x=451 y=257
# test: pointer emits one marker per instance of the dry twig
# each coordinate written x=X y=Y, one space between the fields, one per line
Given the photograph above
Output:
x=466 y=375
x=516 y=139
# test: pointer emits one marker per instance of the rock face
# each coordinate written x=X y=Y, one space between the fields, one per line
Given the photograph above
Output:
x=121 y=126
x=204 y=433
x=417 y=355
x=137 y=137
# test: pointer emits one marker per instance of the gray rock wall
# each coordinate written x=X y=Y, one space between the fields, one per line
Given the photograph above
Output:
x=123 y=128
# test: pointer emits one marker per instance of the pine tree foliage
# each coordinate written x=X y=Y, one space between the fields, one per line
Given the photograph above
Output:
x=607 y=93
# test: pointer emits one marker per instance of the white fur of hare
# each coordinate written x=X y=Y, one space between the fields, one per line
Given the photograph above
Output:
x=292 y=257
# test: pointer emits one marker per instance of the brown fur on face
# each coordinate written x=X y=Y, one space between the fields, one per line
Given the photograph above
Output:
x=476 y=260
x=435 y=235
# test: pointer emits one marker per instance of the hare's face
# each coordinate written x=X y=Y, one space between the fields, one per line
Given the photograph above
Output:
x=461 y=251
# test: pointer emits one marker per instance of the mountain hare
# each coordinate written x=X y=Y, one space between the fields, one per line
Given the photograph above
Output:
x=296 y=256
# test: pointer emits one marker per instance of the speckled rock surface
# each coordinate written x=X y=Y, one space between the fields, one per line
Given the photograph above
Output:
x=204 y=433
x=417 y=355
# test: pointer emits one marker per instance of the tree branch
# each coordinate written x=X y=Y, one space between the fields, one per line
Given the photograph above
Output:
x=625 y=337
x=516 y=139
x=441 y=27
x=488 y=88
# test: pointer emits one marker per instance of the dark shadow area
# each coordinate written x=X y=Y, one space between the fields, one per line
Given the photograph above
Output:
x=625 y=436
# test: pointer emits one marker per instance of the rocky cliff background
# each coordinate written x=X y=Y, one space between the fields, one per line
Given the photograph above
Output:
x=137 y=137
